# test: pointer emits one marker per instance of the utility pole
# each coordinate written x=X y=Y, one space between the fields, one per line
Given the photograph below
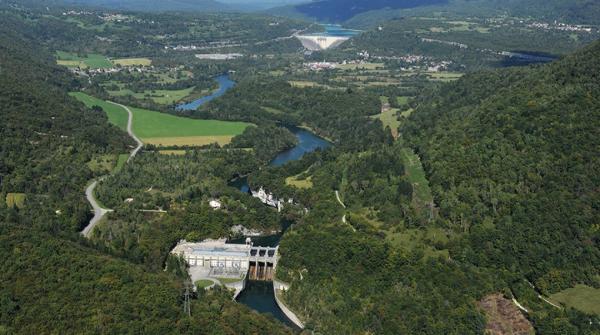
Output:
x=187 y=308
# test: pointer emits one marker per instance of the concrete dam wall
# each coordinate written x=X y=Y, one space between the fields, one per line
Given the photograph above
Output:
x=321 y=42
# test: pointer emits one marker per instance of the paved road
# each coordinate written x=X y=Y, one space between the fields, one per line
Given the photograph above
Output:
x=140 y=144
x=337 y=196
x=99 y=212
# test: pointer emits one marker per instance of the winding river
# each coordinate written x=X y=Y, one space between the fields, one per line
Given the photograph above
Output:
x=259 y=295
x=225 y=83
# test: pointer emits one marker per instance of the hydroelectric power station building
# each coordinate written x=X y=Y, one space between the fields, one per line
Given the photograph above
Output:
x=218 y=259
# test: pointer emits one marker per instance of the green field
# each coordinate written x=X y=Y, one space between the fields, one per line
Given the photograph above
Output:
x=121 y=160
x=299 y=183
x=165 y=97
x=363 y=66
x=581 y=297
x=15 y=200
x=132 y=61
x=228 y=280
x=203 y=283
x=165 y=129
x=402 y=100
x=416 y=175
x=389 y=118
x=116 y=114
x=93 y=61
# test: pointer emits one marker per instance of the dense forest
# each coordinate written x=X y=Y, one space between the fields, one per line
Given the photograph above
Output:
x=341 y=115
x=513 y=159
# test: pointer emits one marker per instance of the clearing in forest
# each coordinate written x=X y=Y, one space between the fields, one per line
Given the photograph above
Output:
x=163 y=129
x=132 y=61
x=93 y=61
x=116 y=114
x=15 y=200
x=416 y=175
x=581 y=297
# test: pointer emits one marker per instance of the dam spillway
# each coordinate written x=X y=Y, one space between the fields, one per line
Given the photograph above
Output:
x=321 y=42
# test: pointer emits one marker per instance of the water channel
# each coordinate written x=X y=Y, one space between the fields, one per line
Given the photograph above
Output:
x=259 y=295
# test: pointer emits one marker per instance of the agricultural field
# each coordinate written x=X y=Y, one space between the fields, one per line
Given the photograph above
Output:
x=444 y=76
x=361 y=66
x=165 y=97
x=116 y=114
x=163 y=129
x=581 y=297
x=132 y=61
x=92 y=61
x=169 y=130
x=15 y=200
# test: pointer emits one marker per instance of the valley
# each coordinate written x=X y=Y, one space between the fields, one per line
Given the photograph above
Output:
x=429 y=168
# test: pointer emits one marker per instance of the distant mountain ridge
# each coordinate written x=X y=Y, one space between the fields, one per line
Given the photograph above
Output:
x=365 y=13
x=342 y=10
x=155 y=5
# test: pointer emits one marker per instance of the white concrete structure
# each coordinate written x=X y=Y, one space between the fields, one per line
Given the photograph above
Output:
x=215 y=254
x=215 y=204
x=321 y=42
x=218 y=259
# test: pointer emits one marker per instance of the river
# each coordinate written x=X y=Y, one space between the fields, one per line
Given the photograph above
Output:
x=225 y=83
x=259 y=295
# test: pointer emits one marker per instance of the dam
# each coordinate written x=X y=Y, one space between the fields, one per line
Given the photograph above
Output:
x=216 y=259
x=333 y=36
x=321 y=42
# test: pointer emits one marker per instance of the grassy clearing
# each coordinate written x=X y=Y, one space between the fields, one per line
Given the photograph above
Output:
x=299 y=183
x=363 y=66
x=15 y=200
x=228 y=280
x=165 y=97
x=172 y=152
x=429 y=242
x=102 y=163
x=389 y=118
x=402 y=100
x=121 y=160
x=116 y=114
x=444 y=76
x=203 y=283
x=188 y=140
x=305 y=84
x=94 y=61
x=421 y=240
x=416 y=175
x=167 y=130
x=132 y=61
x=581 y=297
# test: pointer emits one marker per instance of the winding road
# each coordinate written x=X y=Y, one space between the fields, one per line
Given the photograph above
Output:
x=99 y=211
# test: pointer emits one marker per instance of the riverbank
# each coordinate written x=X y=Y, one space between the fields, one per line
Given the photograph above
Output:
x=279 y=287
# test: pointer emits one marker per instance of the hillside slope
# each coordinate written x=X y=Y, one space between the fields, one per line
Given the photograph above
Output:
x=513 y=158
x=51 y=281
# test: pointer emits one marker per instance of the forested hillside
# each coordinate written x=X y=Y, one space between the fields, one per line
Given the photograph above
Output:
x=50 y=280
x=513 y=159
x=47 y=138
